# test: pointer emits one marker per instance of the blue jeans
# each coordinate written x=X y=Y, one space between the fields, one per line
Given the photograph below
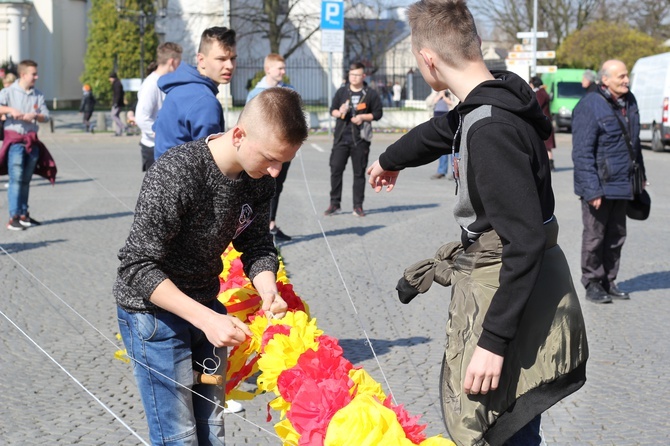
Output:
x=443 y=166
x=529 y=435
x=163 y=343
x=20 y=166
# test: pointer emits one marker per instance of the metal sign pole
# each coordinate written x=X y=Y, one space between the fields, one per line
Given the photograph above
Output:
x=533 y=66
x=330 y=91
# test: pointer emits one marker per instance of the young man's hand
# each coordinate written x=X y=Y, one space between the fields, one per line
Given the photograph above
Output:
x=483 y=372
x=273 y=305
x=224 y=330
x=380 y=178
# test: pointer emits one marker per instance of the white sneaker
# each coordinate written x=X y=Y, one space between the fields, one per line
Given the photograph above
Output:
x=233 y=406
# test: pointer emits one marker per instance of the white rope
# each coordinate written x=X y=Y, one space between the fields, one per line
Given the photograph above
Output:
x=344 y=282
x=20 y=265
x=116 y=346
x=325 y=237
x=73 y=378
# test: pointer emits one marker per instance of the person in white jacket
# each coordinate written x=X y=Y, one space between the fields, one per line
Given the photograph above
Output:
x=150 y=98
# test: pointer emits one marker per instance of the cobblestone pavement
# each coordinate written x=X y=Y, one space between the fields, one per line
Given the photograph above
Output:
x=60 y=383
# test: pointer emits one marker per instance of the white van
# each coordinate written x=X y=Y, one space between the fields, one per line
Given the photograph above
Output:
x=650 y=83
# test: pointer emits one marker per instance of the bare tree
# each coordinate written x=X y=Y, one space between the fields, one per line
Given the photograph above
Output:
x=558 y=17
x=286 y=24
x=649 y=16
x=370 y=30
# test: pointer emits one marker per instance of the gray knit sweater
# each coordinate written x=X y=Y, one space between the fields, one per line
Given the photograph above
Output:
x=186 y=215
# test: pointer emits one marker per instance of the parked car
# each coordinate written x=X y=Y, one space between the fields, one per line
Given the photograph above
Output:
x=565 y=90
x=650 y=83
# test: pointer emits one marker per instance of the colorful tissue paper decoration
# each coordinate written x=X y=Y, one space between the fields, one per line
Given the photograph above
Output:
x=322 y=399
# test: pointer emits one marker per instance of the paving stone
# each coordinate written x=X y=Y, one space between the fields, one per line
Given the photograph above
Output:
x=68 y=265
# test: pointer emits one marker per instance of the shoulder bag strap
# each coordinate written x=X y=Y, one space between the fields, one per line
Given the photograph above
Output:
x=623 y=129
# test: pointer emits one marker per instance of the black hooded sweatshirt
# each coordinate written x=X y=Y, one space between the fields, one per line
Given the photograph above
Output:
x=497 y=134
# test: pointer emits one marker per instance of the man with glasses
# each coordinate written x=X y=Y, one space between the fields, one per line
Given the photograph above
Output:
x=354 y=106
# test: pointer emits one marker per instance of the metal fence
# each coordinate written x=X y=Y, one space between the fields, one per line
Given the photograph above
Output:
x=310 y=79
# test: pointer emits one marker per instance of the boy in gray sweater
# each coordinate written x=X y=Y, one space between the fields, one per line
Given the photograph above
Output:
x=194 y=201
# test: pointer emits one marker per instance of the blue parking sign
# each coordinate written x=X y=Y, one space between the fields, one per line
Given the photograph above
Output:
x=332 y=14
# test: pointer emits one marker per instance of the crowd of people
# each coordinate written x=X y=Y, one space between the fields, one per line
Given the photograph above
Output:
x=206 y=186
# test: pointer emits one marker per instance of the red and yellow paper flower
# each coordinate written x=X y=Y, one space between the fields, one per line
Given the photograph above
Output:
x=322 y=399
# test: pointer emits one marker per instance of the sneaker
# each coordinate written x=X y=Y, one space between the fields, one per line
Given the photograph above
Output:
x=279 y=235
x=597 y=294
x=332 y=209
x=358 y=211
x=14 y=224
x=437 y=176
x=26 y=221
x=233 y=406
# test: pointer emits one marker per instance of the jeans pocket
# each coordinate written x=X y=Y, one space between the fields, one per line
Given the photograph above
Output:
x=146 y=326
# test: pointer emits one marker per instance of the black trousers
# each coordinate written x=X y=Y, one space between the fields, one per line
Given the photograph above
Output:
x=279 y=186
x=339 y=157
x=602 y=239
x=147 y=156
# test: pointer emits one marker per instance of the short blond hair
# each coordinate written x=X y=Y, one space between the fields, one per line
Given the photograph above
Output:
x=272 y=57
x=167 y=51
x=279 y=109
x=24 y=64
x=446 y=27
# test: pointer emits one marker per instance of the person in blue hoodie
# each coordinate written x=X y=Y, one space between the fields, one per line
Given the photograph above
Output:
x=191 y=110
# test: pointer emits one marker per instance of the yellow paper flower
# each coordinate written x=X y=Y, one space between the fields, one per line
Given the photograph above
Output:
x=437 y=441
x=286 y=432
x=365 y=422
x=282 y=351
x=280 y=405
x=365 y=384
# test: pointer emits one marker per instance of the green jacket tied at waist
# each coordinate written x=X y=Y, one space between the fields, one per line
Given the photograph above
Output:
x=545 y=362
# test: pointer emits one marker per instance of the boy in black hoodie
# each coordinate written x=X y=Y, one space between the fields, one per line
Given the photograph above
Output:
x=495 y=361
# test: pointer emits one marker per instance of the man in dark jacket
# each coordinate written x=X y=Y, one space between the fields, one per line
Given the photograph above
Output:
x=117 y=103
x=354 y=106
x=606 y=140
x=504 y=192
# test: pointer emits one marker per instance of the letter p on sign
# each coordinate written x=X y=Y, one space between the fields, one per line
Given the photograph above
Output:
x=332 y=14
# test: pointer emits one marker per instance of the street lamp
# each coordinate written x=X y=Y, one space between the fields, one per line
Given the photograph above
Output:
x=142 y=19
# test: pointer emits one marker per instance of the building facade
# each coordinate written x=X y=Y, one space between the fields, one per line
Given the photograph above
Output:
x=53 y=34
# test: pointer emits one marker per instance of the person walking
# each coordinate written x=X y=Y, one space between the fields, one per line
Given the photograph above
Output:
x=397 y=94
x=194 y=201
x=516 y=336
x=605 y=142
x=354 y=106
x=22 y=152
x=87 y=107
x=543 y=99
x=274 y=66
x=150 y=99
x=117 y=103
x=441 y=102
x=191 y=110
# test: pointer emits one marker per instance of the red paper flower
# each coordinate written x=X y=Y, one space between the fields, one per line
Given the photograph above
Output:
x=292 y=300
x=413 y=430
x=314 y=404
